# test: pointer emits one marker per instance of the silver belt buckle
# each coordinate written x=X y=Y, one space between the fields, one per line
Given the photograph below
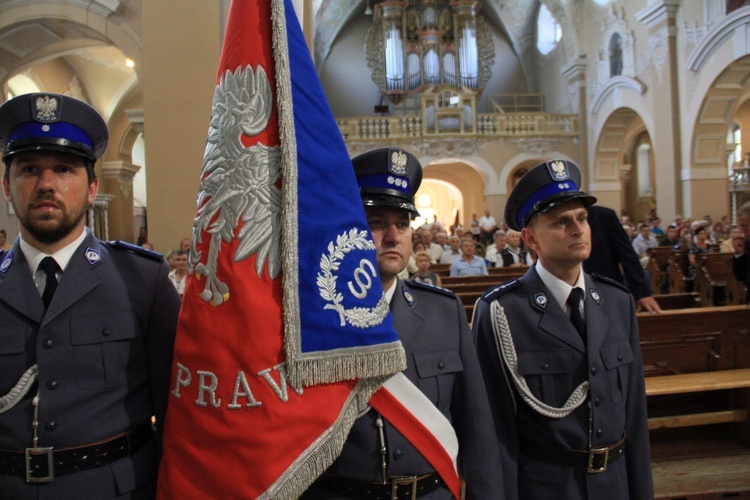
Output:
x=397 y=481
x=597 y=452
x=36 y=452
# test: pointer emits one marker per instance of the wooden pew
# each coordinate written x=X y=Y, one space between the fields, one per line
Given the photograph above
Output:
x=695 y=340
x=680 y=280
x=711 y=278
x=692 y=383
x=441 y=269
x=736 y=291
x=658 y=268
x=671 y=301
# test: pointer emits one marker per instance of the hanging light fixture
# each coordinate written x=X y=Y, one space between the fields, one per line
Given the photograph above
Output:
x=368 y=9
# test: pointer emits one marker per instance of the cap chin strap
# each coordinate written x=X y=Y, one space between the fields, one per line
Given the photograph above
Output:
x=507 y=350
x=21 y=388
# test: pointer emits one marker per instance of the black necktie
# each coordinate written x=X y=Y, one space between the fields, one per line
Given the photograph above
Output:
x=50 y=267
x=574 y=301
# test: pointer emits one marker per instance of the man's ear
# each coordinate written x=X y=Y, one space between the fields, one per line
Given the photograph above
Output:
x=528 y=237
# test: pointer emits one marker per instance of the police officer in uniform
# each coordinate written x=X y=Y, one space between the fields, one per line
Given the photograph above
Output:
x=567 y=389
x=441 y=361
x=86 y=327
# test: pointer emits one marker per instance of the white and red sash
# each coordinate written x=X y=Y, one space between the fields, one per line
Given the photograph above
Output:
x=402 y=403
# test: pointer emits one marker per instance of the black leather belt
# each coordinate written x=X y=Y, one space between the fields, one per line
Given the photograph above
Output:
x=397 y=488
x=594 y=460
x=42 y=464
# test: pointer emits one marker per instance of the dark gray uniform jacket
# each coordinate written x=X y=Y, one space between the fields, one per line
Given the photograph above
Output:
x=741 y=268
x=104 y=354
x=441 y=361
x=554 y=361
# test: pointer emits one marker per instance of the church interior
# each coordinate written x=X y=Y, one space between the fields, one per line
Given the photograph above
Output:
x=650 y=98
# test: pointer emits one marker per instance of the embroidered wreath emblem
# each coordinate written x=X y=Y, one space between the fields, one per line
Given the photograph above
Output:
x=359 y=317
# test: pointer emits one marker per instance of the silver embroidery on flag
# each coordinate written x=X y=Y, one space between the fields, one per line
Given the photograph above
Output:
x=238 y=182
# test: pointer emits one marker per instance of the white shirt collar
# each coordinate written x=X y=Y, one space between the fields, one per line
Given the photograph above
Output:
x=391 y=291
x=559 y=289
x=34 y=256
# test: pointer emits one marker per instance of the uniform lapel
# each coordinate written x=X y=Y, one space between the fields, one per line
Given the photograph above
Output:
x=553 y=319
x=78 y=279
x=597 y=323
x=407 y=319
x=17 y=287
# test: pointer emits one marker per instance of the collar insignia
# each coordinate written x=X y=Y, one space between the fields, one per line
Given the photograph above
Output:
x=93 y=256
x=398 y=163
x=595 y=295
x=558 y=170
x=7 y=261
x=408 y=296
x=541 y=300
x=46 y=109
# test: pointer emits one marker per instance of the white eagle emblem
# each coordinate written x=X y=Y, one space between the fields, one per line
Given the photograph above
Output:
x=238 y=182
x=559 y=170
x=398 y=163
x=45 y=109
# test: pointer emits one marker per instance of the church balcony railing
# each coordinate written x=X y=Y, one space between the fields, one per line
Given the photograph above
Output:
x=500 y=125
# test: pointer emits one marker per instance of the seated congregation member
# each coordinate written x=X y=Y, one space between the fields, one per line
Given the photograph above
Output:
x=561 y=359
x=514 y=255
x=726 y=245
x=643 y=242
x=671 y=239
x=178 y=275
x=699 y=245
x=377 y=460
x=453 y=251
x=469 y=264
x=86 y=327
x=423 y=274
x=494 y=251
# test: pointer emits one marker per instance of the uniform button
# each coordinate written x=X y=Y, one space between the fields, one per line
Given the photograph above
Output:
x=106 y=332
x=599 y=432
x=593 y=370
x=545 y=366
x=619 y=357
x=597 y=401
x=48 y=343
x=398 y=453
x=441 y=365
x=52 y=384
x=50 y=426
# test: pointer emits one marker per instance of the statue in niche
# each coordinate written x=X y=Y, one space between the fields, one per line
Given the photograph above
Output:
x=615 y=55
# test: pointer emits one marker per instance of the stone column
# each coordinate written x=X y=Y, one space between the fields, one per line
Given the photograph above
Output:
x=575 y=73
x=117 y=177
x=659 y=17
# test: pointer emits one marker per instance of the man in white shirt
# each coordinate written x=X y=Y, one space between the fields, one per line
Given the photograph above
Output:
x=644 y=241
x=453 y=252
x=179 y=274
x=494 y=251
x=487 y=227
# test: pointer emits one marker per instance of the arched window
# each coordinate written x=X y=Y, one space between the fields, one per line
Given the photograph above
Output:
x=734 y=139
x=643 y=157
x=21 y=84
x=548 y=31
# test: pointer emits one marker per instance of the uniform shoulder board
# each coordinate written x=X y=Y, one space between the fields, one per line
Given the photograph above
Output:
x=610 y=281
x=497 y=291
x=144 y=252
x=431 y=288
